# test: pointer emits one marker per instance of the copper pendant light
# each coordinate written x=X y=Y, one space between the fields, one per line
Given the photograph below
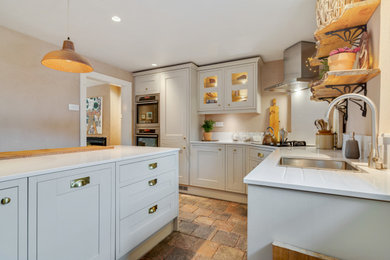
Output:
x=67 y=59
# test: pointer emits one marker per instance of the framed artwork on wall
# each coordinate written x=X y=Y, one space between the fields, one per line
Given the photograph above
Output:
x=95 y=116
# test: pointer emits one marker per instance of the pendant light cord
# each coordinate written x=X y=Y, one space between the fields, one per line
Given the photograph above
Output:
x=67 y=18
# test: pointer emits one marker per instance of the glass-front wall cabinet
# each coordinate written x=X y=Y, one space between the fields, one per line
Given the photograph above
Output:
x=211 y=91
x=239 y=87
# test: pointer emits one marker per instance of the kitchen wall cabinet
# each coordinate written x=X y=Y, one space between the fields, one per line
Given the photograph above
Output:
x=230 y=87
x=13 y=219
x=179 y=118
x=235 y=168
x=211 y=92
x=71 y=214
x=208 y=166
x=148 y=84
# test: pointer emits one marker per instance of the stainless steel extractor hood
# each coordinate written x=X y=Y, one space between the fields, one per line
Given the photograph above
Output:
x=297 y=74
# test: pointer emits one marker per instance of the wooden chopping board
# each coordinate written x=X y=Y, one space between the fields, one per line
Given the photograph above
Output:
x=41 y=152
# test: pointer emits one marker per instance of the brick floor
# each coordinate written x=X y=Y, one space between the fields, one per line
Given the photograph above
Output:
x=208 y=229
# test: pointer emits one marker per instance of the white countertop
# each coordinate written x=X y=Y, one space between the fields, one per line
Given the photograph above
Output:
x=31 y=166
x=370 y=184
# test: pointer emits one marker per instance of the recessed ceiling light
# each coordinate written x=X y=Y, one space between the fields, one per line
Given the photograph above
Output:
x=116 y=19
x=154 y=65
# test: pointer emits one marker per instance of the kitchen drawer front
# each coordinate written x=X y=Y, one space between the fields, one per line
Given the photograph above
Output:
x=134 y=197
x=258 y=153
x=133 y=172
x=139 y=226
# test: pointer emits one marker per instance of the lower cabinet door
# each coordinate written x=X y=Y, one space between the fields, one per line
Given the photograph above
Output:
x=235 y=171
x=13 y=220
x=183 y=159
x=71 y=214
x=208 y=166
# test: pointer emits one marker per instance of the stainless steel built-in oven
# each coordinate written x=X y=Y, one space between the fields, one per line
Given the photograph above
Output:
x=147 y=111
x=147 y=137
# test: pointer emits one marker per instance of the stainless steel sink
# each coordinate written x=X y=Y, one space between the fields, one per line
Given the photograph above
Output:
x=318 y=164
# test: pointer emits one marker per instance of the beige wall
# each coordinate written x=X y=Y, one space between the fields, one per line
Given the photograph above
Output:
x=115 y=118
x=34 y=99
x=271 y=73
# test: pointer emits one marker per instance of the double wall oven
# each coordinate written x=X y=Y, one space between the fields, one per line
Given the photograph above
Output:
x=147 y=120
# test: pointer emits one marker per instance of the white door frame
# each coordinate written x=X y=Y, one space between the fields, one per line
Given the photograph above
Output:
x=126 y=96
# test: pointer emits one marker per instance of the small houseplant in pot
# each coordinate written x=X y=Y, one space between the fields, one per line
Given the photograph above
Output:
x=342 y=58
x=207 y=126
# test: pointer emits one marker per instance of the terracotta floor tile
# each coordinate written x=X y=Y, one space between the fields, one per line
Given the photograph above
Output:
x=228 y=253
x=242 y=243
x=187 y=227
x=188 y=208
x=223 y=225
x=204 y=231
x=186 y=216
x=208 y=229
x=203 y=212
x=220 y=216
x=240 y=228
x=179 y=254
x=186 y=242
x=226 y=238
x=207 y=249
x=204 y=220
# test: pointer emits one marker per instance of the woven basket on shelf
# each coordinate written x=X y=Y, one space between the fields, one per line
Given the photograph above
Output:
x=329 y=10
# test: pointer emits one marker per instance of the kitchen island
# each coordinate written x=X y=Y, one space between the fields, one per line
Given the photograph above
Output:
x=332 y=212
x=108 y=204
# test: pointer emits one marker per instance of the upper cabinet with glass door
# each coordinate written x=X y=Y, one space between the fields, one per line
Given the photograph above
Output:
x=211 y=93
x=231 y=87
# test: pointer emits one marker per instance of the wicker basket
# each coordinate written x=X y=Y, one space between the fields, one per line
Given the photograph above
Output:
x=329 y=10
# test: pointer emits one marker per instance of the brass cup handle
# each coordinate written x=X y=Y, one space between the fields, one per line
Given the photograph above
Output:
x=234 y=150
x=77 y=183
x=261 y=155
x=152 y=166
x=153 y=209
x=5 y=201
x=219 y=149
x=152 y=182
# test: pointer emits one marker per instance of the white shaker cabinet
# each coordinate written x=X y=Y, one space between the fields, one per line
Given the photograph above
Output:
x=235 y=168
x=13 y=219
x=174 y=101
x=208 y=166
x=211 y=91
x=230 y=87
x=71 y=214
x=148 y=84
x=240 y=87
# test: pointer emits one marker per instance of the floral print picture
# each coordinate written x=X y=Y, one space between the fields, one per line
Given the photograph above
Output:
x=95 y=116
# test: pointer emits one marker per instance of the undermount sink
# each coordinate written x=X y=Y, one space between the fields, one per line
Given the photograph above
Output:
x=318 y=164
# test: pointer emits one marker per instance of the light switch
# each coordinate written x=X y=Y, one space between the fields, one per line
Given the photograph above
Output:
x=219 y=124
x=74 y=107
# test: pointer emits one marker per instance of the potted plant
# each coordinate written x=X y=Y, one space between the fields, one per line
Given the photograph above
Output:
x=207 y=126
x=342 y=58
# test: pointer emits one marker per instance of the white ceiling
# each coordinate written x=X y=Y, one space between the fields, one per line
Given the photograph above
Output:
x=166 y=32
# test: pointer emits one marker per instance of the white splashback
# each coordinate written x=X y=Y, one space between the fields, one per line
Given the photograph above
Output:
x=303 y=114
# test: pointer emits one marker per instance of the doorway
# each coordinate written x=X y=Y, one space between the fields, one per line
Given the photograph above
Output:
x=105 y=110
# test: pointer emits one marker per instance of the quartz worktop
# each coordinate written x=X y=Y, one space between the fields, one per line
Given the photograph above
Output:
x=368 y=184
x=31 y=166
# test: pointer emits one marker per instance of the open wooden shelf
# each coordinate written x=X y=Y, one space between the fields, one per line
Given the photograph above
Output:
x=352 y=18
x=336 y=83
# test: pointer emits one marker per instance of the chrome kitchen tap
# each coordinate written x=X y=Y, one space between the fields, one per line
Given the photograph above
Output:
x=374 y=160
